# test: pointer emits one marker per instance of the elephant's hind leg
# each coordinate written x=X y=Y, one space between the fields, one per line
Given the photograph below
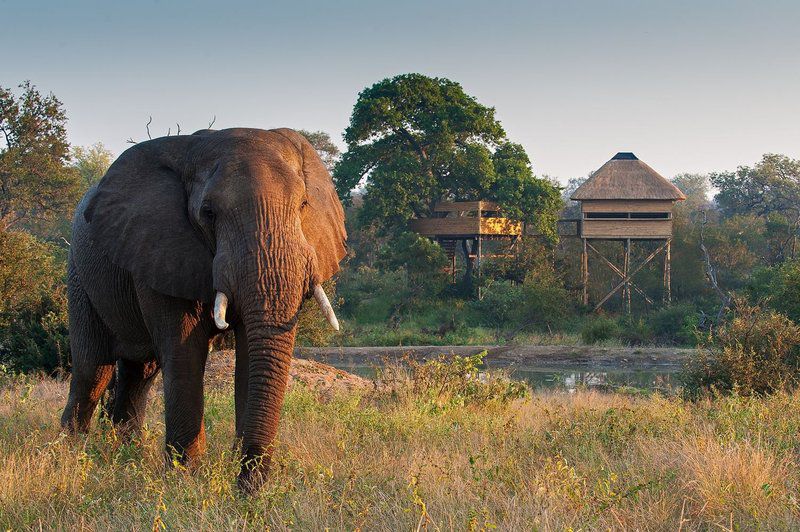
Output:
x=134 y=380
x=92 y=365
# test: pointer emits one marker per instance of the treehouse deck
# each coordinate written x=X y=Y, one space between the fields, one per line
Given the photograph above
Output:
x=466 y=219
x=470 y=223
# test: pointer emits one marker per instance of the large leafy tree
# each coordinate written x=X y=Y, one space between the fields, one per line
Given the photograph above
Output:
x=36 y=182
x=414 y=140
x=769 y=190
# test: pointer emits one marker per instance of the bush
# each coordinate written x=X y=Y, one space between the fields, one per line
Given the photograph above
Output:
x=755 y=353
x=369 y=295
x=635 y=332
x=448 y=381
x=33 y=306
x=676 y=324
x=500 y=305
x=780 y=287
x=598 y=330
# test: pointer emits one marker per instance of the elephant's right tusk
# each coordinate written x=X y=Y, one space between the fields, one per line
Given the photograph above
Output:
x=325 y=305
x=220 y=308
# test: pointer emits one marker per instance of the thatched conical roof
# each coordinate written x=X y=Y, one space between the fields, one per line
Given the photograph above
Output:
x=625 y=177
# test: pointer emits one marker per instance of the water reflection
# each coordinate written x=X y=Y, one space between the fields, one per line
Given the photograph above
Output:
x=564 y=379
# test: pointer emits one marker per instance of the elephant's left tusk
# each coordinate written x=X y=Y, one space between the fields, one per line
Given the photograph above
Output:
x=220 y=309
x=325 y=305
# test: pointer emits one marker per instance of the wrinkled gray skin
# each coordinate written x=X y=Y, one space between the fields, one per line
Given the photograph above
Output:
x=249 y=213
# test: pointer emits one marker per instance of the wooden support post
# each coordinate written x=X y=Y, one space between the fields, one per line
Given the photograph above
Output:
x=453 y=263
x=585 y=272
x=619 y=273
x=478 y=264
x=630 y=275
x=668 y=273
x=626 y=262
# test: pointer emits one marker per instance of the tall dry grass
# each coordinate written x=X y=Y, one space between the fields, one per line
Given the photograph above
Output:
x=392 y=462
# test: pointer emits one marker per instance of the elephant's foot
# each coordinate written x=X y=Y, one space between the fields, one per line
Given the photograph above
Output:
x=187 y=455
x=254 y=470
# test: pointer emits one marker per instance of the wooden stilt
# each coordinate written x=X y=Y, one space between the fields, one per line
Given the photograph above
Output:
x=453 y=265
x=630 y=275
x=619 y=273
x=668 y=273
x=478 y=264
x=626 y=262
x=585 y=272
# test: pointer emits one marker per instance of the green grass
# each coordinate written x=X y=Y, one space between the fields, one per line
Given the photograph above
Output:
x=410 y=459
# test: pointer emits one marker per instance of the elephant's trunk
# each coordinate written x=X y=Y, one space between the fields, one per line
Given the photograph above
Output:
x=271 y=283
x=270 y=355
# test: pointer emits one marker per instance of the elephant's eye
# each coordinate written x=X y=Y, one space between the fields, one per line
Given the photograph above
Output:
x=304 y=204
x=207 y=213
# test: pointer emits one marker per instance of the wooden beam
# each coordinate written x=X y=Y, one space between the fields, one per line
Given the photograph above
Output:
x=630 y=275
x=585 y=272
x=621 y=274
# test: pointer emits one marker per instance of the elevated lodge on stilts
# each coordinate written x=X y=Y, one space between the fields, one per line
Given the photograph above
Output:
x=626 y=201
x=469 y=223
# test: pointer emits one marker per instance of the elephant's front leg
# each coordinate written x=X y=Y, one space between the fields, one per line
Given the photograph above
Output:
x=183 y=369
x=180 y=331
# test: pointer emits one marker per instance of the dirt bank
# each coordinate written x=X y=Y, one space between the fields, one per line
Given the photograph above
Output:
x=540 y=356
x=315 y=375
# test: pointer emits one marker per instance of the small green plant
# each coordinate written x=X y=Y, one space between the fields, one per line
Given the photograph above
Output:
x=451 y=381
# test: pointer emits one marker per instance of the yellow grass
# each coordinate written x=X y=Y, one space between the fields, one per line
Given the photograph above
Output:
x=553 y=461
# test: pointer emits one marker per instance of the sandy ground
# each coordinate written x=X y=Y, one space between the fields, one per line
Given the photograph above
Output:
x=321 y=377
x=540 y=356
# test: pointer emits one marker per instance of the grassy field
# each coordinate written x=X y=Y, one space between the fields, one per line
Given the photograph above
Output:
x=410 y=459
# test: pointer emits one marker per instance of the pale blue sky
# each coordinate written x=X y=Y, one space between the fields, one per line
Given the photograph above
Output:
x=690 y=86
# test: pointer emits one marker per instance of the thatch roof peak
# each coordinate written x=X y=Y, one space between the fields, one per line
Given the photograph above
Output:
x=625 y=177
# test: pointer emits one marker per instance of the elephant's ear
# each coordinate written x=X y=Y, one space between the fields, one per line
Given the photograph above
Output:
x=323 y=217
x=138 y=218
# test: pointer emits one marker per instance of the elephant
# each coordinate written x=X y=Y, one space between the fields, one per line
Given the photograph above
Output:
x=184 y=237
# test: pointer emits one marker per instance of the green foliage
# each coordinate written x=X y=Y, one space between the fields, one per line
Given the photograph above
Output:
x=91 y=162
x=370 y=295
x=779 y=286
x=33 y=314
x=423 y=260
x=37 y=183
x=415 y=140
x=769 y=190
x=755 y=352
x=500 y=304
x=675 y=324
x=599 y=329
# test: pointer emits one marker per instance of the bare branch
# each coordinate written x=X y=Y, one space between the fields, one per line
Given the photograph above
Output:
x=710 y=273
x=169 y=131
x=147 y=126
x=179 y=128
x=212 y=122
x=131 y=141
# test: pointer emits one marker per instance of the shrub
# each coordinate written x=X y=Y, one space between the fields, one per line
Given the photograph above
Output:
x=599 y=329
x=448 y=381
x=33 y=308
x=676 y=324
x=755 y=352
x=635 y=332
x=500 y=305
x=369 y=295
x=780 y=287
